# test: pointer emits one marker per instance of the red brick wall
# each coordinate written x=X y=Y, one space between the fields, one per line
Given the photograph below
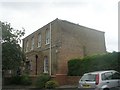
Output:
x=63 y=79
x=73 y=80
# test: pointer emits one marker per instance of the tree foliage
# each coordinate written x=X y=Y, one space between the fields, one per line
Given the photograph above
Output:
x=12 y=54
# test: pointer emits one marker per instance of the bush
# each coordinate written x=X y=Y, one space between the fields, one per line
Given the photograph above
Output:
x=21 y=80
x=51 y=84
x=16 y=80
x=41 y=80
x=26 y=80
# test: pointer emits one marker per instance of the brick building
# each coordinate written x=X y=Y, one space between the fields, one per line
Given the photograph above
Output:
x=49 y=48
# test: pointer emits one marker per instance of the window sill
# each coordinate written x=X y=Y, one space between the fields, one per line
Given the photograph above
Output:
x=47 y=44
x=39 y=47
x=45 y=72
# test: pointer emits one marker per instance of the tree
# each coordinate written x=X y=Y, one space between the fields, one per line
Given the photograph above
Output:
x=12 y=54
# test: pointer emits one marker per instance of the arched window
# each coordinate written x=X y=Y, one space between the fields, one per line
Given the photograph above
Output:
x=45 y=64
x=47 y=37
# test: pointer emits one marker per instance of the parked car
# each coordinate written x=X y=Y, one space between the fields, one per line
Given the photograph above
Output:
x=100 y=80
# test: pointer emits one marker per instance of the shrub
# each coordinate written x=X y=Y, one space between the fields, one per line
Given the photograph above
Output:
x=16 y=80
x=21 y=80
x=41 y=80
x=26 y=80
x=51 y=84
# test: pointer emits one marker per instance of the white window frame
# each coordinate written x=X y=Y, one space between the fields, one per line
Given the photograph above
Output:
x=32 y=43
x=47 y=37
x=46 y=68
x=39 y=40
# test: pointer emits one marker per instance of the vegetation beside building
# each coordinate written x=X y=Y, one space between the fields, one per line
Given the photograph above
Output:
x=77 y=67
x=12 y=55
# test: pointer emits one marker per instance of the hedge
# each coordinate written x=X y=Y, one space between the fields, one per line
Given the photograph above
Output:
x=77 y=67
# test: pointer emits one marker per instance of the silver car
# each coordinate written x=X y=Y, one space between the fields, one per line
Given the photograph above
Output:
x=100 y=80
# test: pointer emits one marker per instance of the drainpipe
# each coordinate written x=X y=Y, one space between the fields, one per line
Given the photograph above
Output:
x=50 y=51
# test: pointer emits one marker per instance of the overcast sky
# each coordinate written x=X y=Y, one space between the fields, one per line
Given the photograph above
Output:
x=33 y=14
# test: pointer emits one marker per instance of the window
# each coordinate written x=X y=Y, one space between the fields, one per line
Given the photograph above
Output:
x=32 y=43
x=46 y=64
x=103 y=76
x=47 y=36
x=107 y=76
x=88 y=77
x=28 y=65
x=116 y=75
x=39 y=40
x=26 y=46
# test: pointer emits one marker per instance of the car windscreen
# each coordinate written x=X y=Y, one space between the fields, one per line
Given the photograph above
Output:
x=88 y=77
